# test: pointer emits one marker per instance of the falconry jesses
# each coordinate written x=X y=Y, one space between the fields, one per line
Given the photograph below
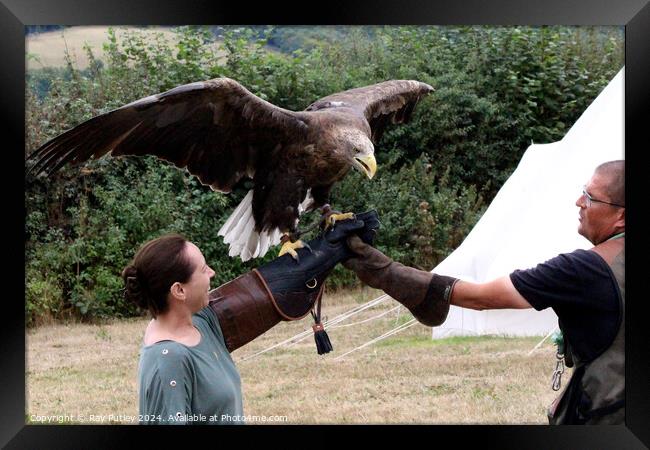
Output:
x=221 y=133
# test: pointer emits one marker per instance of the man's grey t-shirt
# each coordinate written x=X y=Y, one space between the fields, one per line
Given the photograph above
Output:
x=200 y=385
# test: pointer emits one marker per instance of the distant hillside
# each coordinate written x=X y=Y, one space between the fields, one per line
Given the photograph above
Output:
x=287 y=39
x=48 y=48
x=46 y=43
x=31 y=29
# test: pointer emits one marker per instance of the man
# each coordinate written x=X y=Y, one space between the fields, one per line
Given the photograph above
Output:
x=585 y=288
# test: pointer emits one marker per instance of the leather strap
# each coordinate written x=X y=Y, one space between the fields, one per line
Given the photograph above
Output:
x=293 y=304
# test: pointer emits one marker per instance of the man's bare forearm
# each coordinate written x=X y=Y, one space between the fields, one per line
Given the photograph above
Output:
x=496 y=294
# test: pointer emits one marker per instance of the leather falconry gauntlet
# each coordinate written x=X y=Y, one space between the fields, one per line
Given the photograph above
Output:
x=284 y=289
x=425 y=294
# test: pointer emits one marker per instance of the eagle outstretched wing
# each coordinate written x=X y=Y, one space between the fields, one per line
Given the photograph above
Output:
x=216 y=129
x=390 y=102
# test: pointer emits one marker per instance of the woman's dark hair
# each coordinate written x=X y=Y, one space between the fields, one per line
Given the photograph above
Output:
x=157 y=265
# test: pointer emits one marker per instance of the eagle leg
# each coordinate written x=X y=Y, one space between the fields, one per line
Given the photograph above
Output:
x=291 y=243
x=330 y=217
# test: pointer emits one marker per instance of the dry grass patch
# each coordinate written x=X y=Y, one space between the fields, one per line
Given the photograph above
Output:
x=48 y=48
x=82 y=370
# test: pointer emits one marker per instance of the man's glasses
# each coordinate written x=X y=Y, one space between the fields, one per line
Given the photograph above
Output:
x=589 y=199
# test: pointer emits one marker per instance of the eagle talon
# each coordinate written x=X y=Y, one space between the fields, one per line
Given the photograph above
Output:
x=331 y=219
x=290 y=247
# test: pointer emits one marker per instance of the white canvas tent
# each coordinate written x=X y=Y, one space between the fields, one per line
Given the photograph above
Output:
x=534 y=218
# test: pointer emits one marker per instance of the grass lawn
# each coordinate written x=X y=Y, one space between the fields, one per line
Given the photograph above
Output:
x=86 y=373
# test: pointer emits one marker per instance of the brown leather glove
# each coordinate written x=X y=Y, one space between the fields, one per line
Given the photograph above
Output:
x=425 y=294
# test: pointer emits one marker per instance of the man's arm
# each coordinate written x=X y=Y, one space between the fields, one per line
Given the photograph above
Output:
x=496 y=294
x=428 y=295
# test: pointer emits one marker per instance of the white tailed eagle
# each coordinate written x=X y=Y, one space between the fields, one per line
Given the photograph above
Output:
x=220 y=132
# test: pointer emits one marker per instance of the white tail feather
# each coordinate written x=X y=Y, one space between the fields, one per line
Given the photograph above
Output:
x=237 y=214
x=306 y=202
x=264 y=242
x=239 y=232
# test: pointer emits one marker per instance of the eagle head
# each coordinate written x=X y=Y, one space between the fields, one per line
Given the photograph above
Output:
x=360 y=152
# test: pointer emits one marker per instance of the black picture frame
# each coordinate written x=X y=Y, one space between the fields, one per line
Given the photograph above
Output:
x=633 y=14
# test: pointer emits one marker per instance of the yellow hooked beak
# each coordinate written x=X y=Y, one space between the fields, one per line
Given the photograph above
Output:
x=367 y=164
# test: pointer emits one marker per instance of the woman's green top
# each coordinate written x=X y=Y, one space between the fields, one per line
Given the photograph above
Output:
x=179 y=384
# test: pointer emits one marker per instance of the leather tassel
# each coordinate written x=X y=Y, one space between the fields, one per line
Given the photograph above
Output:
x=323 y=344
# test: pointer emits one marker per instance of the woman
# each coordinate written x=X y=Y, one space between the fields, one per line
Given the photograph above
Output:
x=185 y=370
x=186 y=374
